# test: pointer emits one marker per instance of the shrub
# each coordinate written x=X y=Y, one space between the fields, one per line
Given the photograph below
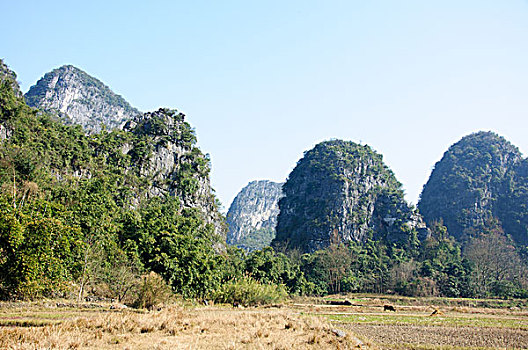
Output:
x=250 y=292
x=153 y=291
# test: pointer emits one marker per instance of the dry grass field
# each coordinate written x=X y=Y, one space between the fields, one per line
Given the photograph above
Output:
x=300 y=324
x=41 y=326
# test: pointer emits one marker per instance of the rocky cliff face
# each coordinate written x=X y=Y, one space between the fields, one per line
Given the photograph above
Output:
x=252 y=216
x=78 y=98
x=471 y=183
x=164 y=152
x=157 y=148
x=344 y=188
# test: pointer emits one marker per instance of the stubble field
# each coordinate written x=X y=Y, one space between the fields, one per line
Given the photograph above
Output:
x=311 y=323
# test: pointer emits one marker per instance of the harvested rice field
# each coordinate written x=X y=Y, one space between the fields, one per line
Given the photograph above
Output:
x=354 y=322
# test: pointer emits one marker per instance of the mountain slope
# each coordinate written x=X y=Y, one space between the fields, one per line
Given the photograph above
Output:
x=79 y=98
x=120 y=203
x=252 y=216
x=7 y=75
x=342 y=187
x=10 y=90
x=164 y=153
x=512 y=207
x=468 y=184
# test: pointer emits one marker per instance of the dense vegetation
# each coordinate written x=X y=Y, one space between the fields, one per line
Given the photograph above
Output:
x=84 y=215
x=394 y=253
x=479 y=191
x=513 y=208
x=256 y=239
x=345 y=187
x=472 y=183
x=77 y=213
x=437 y=266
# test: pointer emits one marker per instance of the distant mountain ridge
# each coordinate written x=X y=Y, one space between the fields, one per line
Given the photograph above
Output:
x=252 y=216
x=78 y=98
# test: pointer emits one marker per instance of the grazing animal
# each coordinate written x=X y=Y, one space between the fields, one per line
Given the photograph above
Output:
x=389 y=308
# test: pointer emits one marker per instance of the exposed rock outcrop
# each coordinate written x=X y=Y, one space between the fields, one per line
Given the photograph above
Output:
x=159 y=147
x=164 y=152
x=5 y=132
x=79 y=98
x=342 y=187
x=252 y=216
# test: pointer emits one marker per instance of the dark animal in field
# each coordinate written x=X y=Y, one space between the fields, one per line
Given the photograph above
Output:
x=389 y=308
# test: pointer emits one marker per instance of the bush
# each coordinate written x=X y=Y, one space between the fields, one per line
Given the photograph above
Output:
x=249 y=292
x=153 y=291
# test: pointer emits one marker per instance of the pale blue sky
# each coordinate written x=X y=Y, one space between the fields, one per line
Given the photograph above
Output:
x=264 y=81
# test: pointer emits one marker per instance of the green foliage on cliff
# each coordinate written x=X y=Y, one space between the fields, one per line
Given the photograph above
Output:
x=75 y=209
x=256 y=239
x=345 y=208
x=469 y=184
x=512 y=208
x=343 y=186
x=88 y=215
x=479 y=191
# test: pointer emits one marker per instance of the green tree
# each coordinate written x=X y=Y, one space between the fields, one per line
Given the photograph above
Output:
x=268 y=266
x=443 y=263
x=177 y=244
x=39 y=254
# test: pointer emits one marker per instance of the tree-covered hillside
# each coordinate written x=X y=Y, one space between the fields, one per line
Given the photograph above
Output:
x=477 y=179
x=342 y=187
x=124 y=213
x=512 y=208
x=83 y=211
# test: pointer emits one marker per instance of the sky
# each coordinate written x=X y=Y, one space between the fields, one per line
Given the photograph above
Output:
x=264 y=81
